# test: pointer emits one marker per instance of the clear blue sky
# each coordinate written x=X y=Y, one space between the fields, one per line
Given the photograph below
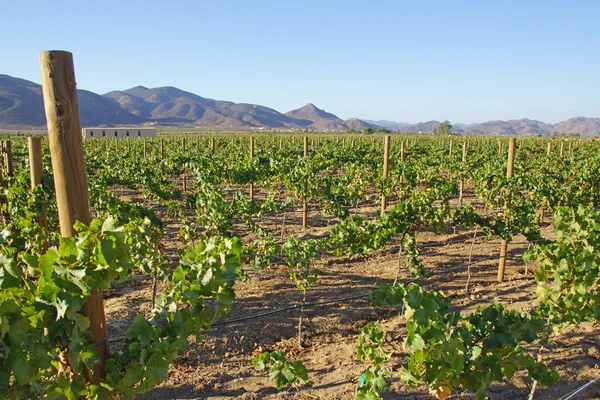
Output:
x=466 y=61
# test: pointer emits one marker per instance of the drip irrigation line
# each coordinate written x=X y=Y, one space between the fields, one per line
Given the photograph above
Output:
x=358 y=296
x=580 y=389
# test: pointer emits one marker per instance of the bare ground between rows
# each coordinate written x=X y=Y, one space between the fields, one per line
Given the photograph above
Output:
x=220 y=366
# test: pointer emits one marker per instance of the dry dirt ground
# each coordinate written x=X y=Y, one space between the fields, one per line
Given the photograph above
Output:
x=220 y=366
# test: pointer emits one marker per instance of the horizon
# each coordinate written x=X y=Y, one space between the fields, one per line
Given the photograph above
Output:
x=470 y=63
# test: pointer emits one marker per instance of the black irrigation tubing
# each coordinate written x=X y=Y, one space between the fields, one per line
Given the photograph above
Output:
x=320 y=303
x=358 y=296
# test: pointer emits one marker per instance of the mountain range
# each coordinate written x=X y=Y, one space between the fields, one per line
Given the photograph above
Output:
x=21 y=107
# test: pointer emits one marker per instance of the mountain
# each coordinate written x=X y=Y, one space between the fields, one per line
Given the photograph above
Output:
x=513 y=127
x=581 y=125
x=172 y=105
x=22 y=105
x=383 y=123
x=359 y=124
x=424 y=127
x=463 y=126
x=313 y=117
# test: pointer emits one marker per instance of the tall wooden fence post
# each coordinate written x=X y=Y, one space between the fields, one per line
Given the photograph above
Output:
x=386 y=161
x=504 y=244
x=8 y=158
x=450 y=150
x=36 y=173
x=562 y=148
x=70 y=178
x=212 y=145
x=304 y=205
x=251 y=157
x=461 y=185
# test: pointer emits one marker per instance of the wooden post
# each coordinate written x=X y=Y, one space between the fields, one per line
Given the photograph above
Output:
x=499 y=146
x=304 y=205
x=8 y=158
x=402 y=151
x=129 y=145
x=549 y=149
x=562 y=148
x=212 y=145
x=162 y=148
x=504 y=244
x=570 y=146
x=280 y=143
x=251 y=157
x=183 y=144
x=36 y=173
x=386 y=160
x=70 y=177
x=145 y=153
x=450 y=151
x=461 y=186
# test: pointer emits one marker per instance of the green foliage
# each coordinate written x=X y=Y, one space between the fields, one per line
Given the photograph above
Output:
x=370 y=350
x=281 y=371
x=448 y=350
x=568 y=274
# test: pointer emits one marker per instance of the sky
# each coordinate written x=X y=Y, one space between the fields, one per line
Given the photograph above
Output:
x=405 y=61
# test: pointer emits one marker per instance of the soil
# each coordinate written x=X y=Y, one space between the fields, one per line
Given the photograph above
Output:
x=220 y=367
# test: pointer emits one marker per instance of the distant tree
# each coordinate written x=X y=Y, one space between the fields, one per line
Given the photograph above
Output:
x=368 y=131
x=435 y=131
x=445 y=128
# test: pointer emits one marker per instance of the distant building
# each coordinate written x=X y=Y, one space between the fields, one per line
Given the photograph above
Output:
x=119 y=133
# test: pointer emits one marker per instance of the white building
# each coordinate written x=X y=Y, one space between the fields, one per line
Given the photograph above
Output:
x=120 y=133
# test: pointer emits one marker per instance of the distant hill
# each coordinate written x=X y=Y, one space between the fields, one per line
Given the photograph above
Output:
x=21 y=107
x=581 y=125
x=514 y=127
x=425 y=127
x=359 y=124
x=315 y=118
x=383 y=123
x=174 y=106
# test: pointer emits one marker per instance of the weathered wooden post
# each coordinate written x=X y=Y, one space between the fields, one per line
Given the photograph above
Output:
x=8 y=158
x=70 y=178
x=183 y=144
x=461 y=186
x=450 y=151
x=162 y=148
x=562 y=148
x=386 y=160
x=212 y=145
x=504 y=244
x=36 y=173
x=304 y=205
x=549 y=149
x=251 y=157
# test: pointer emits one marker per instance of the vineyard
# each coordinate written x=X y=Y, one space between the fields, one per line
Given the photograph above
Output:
x=291 y=266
